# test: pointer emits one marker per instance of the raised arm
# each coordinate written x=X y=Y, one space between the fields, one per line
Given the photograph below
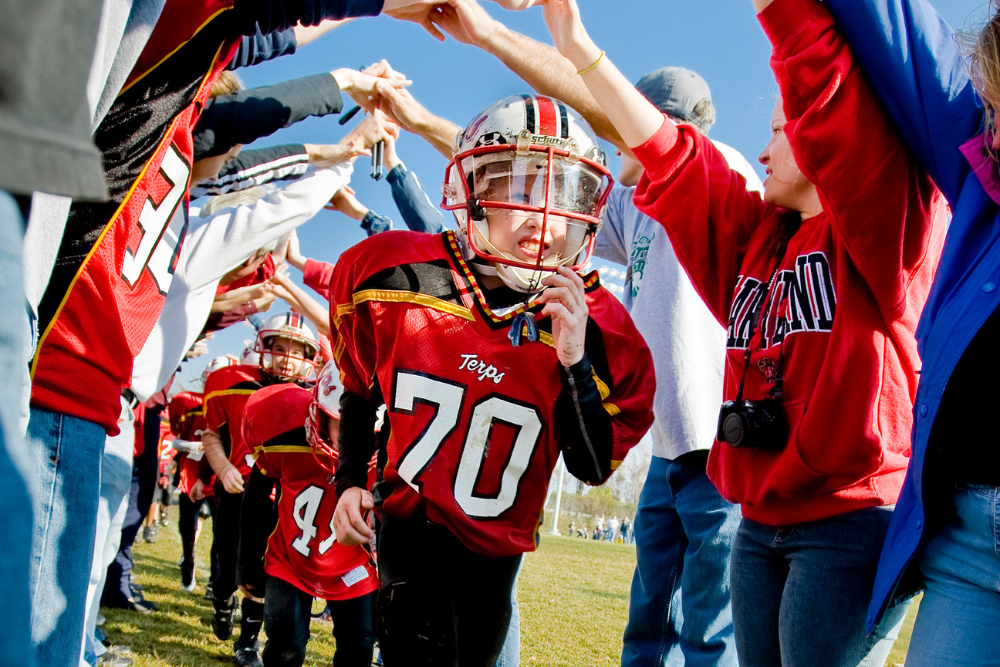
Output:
x=413 y=117
x=916 y=69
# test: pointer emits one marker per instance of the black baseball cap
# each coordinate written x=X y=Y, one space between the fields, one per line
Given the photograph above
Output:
x=677 y=92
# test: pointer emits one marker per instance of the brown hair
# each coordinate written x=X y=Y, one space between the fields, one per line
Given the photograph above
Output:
x=982 y=49
x=227 y=84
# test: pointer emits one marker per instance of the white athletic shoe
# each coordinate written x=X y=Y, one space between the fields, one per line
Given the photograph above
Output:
x=189 y=588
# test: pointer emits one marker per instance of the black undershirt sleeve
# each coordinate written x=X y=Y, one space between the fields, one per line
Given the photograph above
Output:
x=356 y=441
x=586 y=433
x=257 y=521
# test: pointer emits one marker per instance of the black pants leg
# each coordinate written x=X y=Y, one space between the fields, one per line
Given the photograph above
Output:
x=226 y=533
x=187 y=526
x=287 y=612
x=440 y=605
x=354 y=630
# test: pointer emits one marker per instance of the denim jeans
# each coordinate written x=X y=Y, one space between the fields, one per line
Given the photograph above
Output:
x=800 y=593
x=679 y=610
x=286 y=621
x=510 y=653
x=960 y=612
x=66 y=457
x=15 y=470
x=116 y=476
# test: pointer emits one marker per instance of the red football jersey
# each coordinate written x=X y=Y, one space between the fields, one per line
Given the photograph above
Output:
x=473 y=432
x=303 y=548
x=117 y=259
x=226 y=393
x=187 y=420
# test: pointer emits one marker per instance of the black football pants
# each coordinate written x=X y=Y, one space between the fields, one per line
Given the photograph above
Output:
x=187 y=525
x=440 y=605
x=287 y=613
x=226 y=542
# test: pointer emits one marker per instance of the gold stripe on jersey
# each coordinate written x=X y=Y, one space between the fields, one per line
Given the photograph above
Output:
x=338 y=350
x=603 y=390
x=614 y=465
x=342 y=310
x=228 y=392
x=400 y=296
x=283 y=449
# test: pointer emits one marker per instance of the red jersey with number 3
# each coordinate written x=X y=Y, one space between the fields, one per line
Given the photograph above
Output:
x=117 y=259
x=473 y=430
x=303 y=548
x=227 y=391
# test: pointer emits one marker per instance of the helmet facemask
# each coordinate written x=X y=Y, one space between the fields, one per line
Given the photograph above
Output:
x=274 y=362
x=549 y=187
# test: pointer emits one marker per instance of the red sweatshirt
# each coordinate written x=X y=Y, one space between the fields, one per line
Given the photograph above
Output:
x=839 y=317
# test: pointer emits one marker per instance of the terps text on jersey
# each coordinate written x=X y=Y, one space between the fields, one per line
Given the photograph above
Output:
x=472 y=362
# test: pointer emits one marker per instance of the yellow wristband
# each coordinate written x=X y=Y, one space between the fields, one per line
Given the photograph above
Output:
x=593 y=66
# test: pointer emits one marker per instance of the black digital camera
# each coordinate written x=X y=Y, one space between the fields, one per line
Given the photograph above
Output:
x=753 y=425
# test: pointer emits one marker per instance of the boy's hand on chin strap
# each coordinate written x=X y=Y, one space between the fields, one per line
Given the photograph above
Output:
x=566 y=303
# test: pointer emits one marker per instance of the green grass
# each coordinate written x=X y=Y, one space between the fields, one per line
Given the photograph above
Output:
x=573 y=597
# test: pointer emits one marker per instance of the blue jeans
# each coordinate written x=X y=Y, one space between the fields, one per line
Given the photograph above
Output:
x=800 y=593
x=66 y=454
x=16 y=516
x=116 y=477
x=679 y=610
x=510 y=653
x=959 y=615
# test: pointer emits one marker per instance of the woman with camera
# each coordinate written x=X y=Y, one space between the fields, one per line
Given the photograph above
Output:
x=821 y=284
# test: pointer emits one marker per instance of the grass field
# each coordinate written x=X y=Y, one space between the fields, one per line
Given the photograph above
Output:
x=573 y=597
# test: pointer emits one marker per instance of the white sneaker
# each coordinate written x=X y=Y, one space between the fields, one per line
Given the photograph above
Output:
x=189 y=588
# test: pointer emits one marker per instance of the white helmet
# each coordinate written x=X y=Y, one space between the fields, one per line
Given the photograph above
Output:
x=216 y=364
x=326 y=403
x=249 y=356
x=528 y=154
x=294 y=327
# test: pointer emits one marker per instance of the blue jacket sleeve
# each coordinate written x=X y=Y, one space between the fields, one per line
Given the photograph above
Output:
x=273 y=15
x=418 y=212
x=911 y=58
x=257 y=48
x=248 y=115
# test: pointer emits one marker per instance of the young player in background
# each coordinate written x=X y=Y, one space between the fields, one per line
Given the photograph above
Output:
x=303 y=559
x=288 y=348
x=493 y=355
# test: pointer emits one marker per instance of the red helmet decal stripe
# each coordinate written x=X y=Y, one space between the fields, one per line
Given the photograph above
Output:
x=548 y=119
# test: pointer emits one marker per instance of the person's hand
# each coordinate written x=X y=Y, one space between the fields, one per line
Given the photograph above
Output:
x=263 y=303
x=375 y=128
x=518 y=5
x=345 y=202
x=197 y=491
x=294 y=254
x=232 y=480
x=403 y=110
x=565 y=302
x=349 y=518
x=249 y=592
x=420 y=13
x=566 y=27
x=465 y=21
x=389 y=156
x=200 y=347
x=360 y=86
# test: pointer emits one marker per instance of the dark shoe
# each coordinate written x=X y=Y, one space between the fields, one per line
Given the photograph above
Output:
x=208 y=592
x=149 y=534
x=187 y=575
x=112 y=660
x=131 y=604
x=138 y=597
x=123 y=651
x=246 y=656
x=222 y=620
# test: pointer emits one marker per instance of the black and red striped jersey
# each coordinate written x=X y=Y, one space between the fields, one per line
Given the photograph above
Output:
x=472 y=419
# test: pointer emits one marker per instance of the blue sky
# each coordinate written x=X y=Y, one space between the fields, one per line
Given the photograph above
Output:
x=720 y=39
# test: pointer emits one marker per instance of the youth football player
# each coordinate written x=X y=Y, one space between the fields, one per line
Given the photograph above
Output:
x=301 y=559
x=493 y=354
x=288 y=347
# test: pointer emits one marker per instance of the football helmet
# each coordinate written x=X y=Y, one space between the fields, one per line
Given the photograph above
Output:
x=249 y=356
x=534 y=159
x=326 y=404
x=216 y=364
x=294 y=327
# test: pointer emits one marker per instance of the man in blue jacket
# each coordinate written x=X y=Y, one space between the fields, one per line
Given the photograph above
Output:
x=944 y=532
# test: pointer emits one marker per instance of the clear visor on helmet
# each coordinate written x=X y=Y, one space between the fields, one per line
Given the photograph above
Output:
x=521 y=179
x=565 y=238
x=280 y=358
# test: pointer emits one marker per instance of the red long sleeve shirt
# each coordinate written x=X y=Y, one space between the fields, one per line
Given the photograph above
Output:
x=840 y=314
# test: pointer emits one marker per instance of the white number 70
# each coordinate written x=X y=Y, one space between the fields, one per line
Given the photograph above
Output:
x=446 y=398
